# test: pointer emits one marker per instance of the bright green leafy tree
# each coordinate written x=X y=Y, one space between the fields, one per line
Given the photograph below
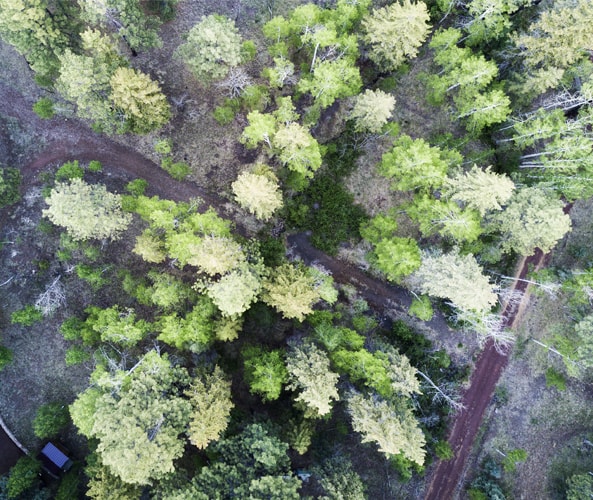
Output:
x=265 y=372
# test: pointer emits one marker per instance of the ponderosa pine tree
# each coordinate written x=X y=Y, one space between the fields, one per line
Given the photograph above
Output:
x=38 y=32
x=291 y=290
x=139 y=99
x=394 y=33
x=258 y=191
x=394 y=429
x=137 y=418
x=234 y=292
x=372 y=109
x=127 y=17
x=213 y=46
x=86 y=211
x=479 y=189
x=458 y=278
x=210 y=398
x=309 y=373
x=84 y=78
x=532 y=219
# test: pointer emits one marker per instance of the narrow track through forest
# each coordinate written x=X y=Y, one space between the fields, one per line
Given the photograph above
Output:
x=71 y=140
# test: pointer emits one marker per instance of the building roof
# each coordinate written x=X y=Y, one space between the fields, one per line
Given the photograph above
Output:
x=55 y=455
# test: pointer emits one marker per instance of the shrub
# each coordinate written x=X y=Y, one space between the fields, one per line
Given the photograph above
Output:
x=95 y=166
x=179 y=170
x=421 y=308
x=93 y=276
x=555 y=379
x=137 y=187
x=69 y=485
x=50 y=419
x=26 y=316
x=248 y=51
x=44 y=108
x=255 y=98
x=513 y=457
x=5 y=356
x=443 y=450
x=76 y=355
x=223 y=114
x=69 y=170
x=10 y=180
x=163 y=146
x=23 y=476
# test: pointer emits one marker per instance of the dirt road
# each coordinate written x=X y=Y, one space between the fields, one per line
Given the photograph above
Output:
x=446 y=482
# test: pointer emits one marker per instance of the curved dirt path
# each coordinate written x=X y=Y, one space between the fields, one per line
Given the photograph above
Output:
x=447 y=478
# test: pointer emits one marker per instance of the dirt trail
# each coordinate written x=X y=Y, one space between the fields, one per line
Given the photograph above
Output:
x=446 y=482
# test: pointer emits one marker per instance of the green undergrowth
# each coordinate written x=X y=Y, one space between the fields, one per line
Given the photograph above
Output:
x=326 y=207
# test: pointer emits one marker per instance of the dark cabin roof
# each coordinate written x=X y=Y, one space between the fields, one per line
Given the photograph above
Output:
x=54 y=460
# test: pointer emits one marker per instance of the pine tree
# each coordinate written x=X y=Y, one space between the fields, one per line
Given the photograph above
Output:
x=458 y=278
x=394 y=33
x=479 y=189
x=86 y=211
x=213 y=46
x=291 y=290
x=372 y=109
x=258 y=192
x=138 y=30
x=138 y=418
x=210 y=399
x=38 y=32
x=394 y=429
x=532 y=219
x=139 y=99
x=309 y=372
